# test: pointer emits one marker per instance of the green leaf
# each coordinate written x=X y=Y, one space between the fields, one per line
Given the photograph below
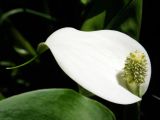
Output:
x=121 y=15
x=53 y=104
x=133 y=20
x=94 y=23
x=124 y=16
x=128 y=19
x=85 y=2
x=95 y=16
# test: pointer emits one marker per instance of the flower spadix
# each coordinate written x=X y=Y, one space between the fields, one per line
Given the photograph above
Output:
x=99 y=62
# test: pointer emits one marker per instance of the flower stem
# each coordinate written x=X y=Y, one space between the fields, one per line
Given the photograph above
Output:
x=84 y=92
x=132 y=112
x=139 y=110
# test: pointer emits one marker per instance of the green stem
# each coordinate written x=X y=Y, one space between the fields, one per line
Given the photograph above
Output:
x=40 y=50
x=85 y=92
x=24 y=10
x=26 y=63
x=43 y=15
x=139 y=110
x=132 y=112
x=139 y=6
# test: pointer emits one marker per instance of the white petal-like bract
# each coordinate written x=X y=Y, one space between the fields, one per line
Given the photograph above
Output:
x=95 y=59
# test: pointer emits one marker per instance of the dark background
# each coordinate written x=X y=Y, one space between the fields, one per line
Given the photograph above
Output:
x=38 y=75
x=150 y=40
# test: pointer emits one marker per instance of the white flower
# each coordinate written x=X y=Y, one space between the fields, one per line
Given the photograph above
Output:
x=96 y=59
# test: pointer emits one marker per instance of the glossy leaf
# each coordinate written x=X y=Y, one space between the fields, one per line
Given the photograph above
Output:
x=53 y=104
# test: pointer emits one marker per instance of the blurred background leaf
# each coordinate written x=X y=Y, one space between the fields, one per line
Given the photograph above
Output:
x=121 y=15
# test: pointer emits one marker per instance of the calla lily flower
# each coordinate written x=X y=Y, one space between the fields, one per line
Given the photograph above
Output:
x=96 y=59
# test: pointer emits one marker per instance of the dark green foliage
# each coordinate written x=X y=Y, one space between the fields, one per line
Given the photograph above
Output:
x=53 y=104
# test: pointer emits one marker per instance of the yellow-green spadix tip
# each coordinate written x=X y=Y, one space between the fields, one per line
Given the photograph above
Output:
x=135 y=71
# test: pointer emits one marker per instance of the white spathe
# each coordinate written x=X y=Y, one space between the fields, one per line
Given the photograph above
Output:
x=94 y=60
